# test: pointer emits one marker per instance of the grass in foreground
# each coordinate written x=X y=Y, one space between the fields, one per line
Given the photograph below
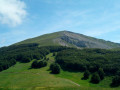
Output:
x=20 y=77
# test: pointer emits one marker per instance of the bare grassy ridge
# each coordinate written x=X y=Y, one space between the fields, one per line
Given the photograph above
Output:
x=70 y=39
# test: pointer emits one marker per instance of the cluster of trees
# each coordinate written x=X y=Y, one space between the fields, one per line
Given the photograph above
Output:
x=86 y=60
x=96 y=77
x=38 y=64
x=98 y=62
x=24 y=53
x=55 y=68
x=90 y=59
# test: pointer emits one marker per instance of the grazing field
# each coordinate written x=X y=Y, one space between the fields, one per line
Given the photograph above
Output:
x=21 y=77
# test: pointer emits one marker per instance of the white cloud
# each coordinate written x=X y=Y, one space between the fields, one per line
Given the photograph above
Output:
x=12 y=12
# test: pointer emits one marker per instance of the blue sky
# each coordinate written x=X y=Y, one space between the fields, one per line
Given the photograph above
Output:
x=23 y=19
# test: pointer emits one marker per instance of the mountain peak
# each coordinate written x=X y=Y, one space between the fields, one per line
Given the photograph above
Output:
x=70 y=39
x=65 y=31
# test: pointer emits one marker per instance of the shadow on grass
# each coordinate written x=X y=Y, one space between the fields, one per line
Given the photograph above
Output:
x=113 y=85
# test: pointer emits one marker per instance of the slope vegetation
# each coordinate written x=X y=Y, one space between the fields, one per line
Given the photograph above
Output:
x=21 y=77
x=70 y=39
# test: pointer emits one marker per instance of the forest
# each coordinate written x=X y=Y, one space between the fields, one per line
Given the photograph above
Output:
x=90 y=59
x=96 y=62
x=24 y=53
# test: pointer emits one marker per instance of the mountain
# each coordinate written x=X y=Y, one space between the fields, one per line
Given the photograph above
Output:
x=70 y=39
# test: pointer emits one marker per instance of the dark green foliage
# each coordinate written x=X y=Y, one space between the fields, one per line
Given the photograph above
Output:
x=115 y=81
x=37 y=56
x=24 y=53
x=95 y=78
x=118 y=73
x=47 y=59
x=86 y=74
x=1 y=68
x=42 y=64
x=39 y=64
x=55 y=68
x=101 y=73
x=90 y=59
x=54 y=54
x=23 y=58
x=34 y=64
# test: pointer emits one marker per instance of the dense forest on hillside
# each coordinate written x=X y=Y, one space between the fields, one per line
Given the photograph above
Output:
x=86 y=60
x=68 y=58
x=90 y=59
x=24 y=53
x=97 y=62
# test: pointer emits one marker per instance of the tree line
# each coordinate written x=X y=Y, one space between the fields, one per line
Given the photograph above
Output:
x=91 y=60
x=24 y=53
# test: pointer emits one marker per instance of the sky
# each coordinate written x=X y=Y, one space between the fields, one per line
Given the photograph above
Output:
x=23 y=19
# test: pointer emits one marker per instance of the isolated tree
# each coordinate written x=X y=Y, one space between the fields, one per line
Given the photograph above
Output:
x=116 y=81
x=55 y=68
x=86 y=74
x=101 y=73
x=95 y=78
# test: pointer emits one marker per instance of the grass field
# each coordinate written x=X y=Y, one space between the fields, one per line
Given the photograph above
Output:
x=20 y=77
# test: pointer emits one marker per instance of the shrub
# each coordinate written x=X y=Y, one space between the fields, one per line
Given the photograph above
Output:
x=55 y=68
x=115 y=81
x=86 y=74
x=95 y=78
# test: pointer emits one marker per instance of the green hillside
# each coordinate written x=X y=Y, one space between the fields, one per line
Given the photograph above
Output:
x=44 y=40
x=32 y=64
x=21 y=77
x=70 y=39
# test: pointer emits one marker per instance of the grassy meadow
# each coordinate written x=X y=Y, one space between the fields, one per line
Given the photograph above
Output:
x=21 y=77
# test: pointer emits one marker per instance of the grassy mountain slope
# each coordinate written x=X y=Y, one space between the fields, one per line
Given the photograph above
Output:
x=20 y=77
x=70 y=39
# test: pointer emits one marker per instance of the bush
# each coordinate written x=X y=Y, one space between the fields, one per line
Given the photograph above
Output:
x=55 y=68
x=86 y=74
x=115 y=81
x=95 y=78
